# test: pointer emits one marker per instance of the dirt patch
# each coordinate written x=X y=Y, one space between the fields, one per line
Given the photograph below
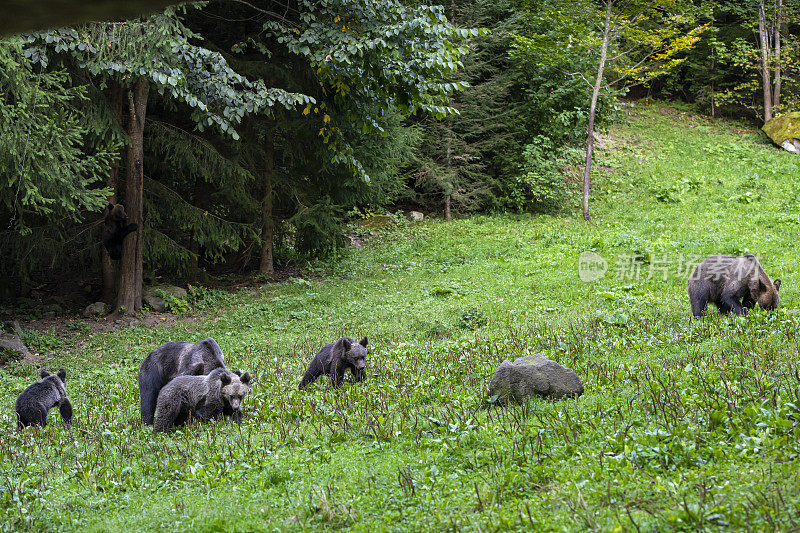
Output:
x=67 y=325
x=77 y=330
x=670 y=111
x=604 y=141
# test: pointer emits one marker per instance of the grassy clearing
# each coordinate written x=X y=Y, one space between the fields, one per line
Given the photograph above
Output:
x=685 y=425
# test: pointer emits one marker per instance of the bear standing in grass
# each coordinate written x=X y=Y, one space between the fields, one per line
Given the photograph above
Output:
x=232 y=394
x=733 y=284
x=186 y=397
x=34 y=402
x=173 y=359
x=335 y=358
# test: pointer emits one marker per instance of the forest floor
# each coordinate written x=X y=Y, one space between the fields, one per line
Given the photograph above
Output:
x=684 y=424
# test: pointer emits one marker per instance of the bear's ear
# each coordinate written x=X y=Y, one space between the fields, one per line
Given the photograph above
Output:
x=363 y=342
x=237 y=372
x=62 y=374
x=346 y=343
x=43 y=373
x=777 y=284
x=225 y=378
x=245 y=378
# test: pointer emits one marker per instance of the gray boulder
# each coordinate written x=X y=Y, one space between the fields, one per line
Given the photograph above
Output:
x=534 y=375
x=416 y=216
x=12 y=347
x=96 y=309
x=153 y=298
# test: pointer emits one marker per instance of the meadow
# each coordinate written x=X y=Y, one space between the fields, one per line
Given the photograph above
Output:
x=685 y=425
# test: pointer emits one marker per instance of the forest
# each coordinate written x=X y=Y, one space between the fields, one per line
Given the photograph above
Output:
x=460 y=184
x=189 y=118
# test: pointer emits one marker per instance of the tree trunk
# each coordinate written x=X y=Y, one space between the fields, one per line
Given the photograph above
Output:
x=587 y=169
x=199 y=201
x=107 y=265
x=267 y=265
x=776 y=43
x=713 y=95
x=129 y=299
x=448 y=195
x=765 y=52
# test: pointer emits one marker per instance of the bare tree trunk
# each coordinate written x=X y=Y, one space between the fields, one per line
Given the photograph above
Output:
x=267 y=265
x=765 y=52
x=713 y=95
x=776 y=43
x=587 y=169
x=448 y=196
x=199 y=201
x=107 y=265
x=129 y=299
x=194 y=249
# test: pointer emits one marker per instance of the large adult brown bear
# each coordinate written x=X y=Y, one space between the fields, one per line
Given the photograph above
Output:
x=171 y=360
x=733 y=284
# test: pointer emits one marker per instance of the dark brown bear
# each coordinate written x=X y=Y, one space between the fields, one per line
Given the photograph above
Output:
x=176 y=358
x=115 y=229
x=733 y=284
x=334 y=358
x=34 y=402
x=205 y=397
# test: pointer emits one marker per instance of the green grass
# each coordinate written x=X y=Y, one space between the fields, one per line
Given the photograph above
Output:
x=684 y=425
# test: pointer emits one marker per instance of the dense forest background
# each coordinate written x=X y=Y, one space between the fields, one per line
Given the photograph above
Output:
x=242 y=137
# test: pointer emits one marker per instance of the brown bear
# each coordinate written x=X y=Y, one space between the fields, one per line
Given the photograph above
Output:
x=205 y=397
x=34 y=402
x=176 y=358
x=733 y=284
x=334 y=358
x=115 y=229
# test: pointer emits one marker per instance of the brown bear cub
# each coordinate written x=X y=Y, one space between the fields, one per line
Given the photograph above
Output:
x=205 y=397
x=115 y=229
x=34 y=402
x=333 y=359
x=733 y=284
x=232 y=394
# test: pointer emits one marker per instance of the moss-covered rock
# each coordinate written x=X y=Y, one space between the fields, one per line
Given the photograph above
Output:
x=377 y=222
x=785 y=131
x=156 y=297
